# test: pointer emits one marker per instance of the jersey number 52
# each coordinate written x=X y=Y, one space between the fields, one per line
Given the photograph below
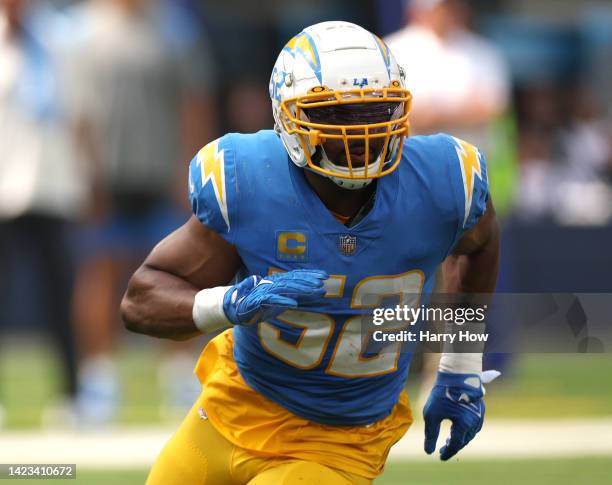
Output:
x=347 y=359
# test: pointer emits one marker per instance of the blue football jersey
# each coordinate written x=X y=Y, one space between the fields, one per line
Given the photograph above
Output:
x=311 y=361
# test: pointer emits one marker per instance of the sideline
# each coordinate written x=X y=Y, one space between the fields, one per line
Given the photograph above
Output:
x=137 y=447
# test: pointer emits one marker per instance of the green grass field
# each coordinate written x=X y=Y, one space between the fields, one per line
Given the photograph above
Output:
x=578 y=471
x=542 y=386
x=592 y=471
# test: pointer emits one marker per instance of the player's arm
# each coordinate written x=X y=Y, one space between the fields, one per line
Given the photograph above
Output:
x=160 y=296
x=178 y=291
x=458 y=392
x=470 y=270
x=472 y=266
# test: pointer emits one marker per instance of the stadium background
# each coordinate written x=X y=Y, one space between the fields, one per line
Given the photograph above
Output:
x=549 y=416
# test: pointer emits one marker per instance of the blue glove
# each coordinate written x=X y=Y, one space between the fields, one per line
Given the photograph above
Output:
x=459 y=398
x=256 y=299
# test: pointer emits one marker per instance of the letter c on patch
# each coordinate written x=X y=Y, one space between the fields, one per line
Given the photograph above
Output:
x=291 y=243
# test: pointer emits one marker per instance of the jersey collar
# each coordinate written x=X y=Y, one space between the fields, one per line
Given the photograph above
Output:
x=367 y=230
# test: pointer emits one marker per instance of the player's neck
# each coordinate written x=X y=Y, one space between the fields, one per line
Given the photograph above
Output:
x=341 y=201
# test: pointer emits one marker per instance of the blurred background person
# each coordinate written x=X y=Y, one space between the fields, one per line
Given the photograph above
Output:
x=584 y=193
x=459 y=80
x=41 y=186
x=143 y=80
x=540 y=112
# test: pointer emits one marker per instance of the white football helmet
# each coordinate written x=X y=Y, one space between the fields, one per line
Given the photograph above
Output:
x=325 y=85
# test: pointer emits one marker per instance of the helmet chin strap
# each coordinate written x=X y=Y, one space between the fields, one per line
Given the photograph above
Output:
x=347 y=183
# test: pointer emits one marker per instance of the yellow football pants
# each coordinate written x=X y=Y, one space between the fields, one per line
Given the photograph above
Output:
x=198 y=454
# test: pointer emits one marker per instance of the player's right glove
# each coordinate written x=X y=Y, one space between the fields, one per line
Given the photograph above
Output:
x=256 y=299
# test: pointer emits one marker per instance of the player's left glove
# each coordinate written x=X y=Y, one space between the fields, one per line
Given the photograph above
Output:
x=459 y=398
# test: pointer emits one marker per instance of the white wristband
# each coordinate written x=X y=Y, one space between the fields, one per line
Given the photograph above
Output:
x=455 y=363
x=208 y=314
x=455 y=360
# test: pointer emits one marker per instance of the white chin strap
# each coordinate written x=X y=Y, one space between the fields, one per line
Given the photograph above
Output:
x=349 y=183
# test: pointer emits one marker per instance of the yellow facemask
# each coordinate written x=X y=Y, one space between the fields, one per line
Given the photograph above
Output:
x=393 y=132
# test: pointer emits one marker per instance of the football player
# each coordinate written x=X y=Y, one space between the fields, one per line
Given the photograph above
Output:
x=321 y=217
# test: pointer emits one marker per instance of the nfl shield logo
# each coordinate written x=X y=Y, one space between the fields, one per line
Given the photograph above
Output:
x=348 y=244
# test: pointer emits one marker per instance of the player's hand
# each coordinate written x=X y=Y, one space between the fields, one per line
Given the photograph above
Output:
x=257 y=299
x=459 y=398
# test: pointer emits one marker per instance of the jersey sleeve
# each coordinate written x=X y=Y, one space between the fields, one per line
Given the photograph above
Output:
x=213 y=191
x=467 y=170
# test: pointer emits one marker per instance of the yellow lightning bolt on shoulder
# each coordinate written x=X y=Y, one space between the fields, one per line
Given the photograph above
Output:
x=469 y=160
x=212 y=164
